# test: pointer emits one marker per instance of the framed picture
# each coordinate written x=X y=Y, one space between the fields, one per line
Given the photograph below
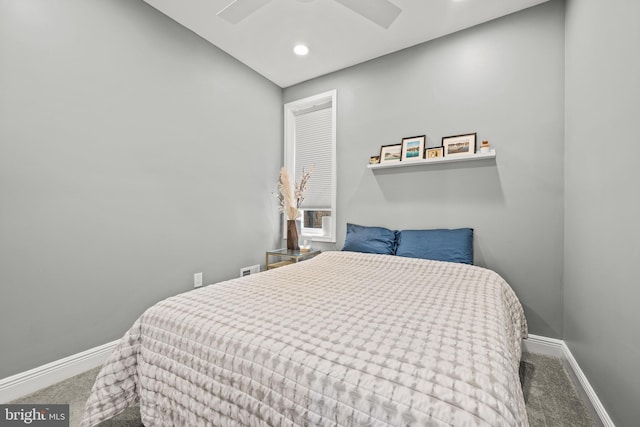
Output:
x=374 y=160
x=390 y=153
x=412 y=148
x=434 y=153
x=459 y=145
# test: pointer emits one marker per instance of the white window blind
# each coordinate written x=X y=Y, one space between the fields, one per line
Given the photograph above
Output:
x=310 y=142
x=314 y=149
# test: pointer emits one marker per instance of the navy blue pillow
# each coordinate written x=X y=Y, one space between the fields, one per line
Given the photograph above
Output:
x=439 y=245
x=371 y=240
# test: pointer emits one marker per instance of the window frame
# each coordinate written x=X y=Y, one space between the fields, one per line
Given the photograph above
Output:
x=290 y=110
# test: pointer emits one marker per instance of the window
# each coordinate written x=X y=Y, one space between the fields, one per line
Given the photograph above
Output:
x=310 y=142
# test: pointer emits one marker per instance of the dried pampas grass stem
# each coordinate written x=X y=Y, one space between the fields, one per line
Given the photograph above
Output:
x=286 y=192
x=291 y=196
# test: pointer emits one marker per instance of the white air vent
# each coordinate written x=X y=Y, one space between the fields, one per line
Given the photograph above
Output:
x=246 y=271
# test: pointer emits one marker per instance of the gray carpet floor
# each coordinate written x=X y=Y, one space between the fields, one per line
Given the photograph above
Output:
x=551 y=399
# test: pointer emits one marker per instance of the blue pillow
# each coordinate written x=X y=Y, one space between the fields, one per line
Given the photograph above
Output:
x=371 y=240
x=439 y=245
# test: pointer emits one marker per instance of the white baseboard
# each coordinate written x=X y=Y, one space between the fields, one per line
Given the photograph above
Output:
x=543 y=345
x=24 y=383
x=558 y=348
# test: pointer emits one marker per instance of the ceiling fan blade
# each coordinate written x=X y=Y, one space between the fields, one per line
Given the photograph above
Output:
x=382 y=12
x=237 y=10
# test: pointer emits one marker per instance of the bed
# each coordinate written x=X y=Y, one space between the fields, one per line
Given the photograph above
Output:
x=343 y=339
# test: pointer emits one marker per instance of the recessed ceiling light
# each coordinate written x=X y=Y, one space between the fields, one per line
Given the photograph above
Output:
x=300 y=50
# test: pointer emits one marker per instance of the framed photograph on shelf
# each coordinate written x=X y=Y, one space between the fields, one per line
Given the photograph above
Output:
x=390 y=153
x=412 y=148
x=434 y=153
x=459 y=145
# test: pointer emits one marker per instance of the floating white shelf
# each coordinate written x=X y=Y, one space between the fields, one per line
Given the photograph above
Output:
x=478 y=156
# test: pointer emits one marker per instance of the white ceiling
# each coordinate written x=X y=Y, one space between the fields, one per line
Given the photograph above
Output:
x=337 y=36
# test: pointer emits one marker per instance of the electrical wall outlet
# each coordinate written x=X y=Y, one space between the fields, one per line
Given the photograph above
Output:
x=197 y=280
x=246 y=271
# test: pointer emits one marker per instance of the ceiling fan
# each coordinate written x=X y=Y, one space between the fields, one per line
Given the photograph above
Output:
x=382 y=12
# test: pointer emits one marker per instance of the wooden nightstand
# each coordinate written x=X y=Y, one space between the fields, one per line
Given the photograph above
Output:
x=286 y=257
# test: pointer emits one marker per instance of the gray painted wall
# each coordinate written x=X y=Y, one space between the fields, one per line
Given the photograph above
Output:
x=126 y=166
x=602 y=211
x=504 y=80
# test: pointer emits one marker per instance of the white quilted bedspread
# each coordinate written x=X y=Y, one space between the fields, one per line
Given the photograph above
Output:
x=344 y=339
